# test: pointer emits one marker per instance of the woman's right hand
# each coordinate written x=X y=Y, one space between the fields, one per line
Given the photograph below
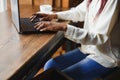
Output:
x=42 y=17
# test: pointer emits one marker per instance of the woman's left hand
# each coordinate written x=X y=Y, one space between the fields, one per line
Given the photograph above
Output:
x=50 y=26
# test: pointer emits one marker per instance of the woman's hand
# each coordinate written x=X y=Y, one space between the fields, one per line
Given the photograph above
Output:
x=51 y=26
x=42 y=17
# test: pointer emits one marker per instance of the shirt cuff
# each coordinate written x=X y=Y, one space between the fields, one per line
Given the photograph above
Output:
x=70 y=30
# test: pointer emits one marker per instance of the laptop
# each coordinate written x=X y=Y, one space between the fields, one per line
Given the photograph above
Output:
x=23 y=25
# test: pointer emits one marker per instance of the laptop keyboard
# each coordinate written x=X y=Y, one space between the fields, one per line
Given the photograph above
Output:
x=27 y=25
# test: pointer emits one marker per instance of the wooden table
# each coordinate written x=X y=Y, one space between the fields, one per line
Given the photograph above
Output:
x=23 y=55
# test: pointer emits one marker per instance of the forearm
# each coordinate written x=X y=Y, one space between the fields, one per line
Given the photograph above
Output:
x=54 y=16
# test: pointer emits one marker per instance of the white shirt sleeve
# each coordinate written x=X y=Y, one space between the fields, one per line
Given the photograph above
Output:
x=85 y=37
x=74 y=14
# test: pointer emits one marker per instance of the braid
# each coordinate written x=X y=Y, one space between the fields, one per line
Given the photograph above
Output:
x=88 y=3
x=103 y=3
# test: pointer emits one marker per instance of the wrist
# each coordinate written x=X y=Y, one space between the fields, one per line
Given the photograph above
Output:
x=54 y=16
x=64 y=26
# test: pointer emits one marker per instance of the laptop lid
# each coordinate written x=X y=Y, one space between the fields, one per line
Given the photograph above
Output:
x=23 y=25
x=15 y=14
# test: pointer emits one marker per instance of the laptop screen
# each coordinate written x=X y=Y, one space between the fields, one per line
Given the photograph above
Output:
x=15 y=13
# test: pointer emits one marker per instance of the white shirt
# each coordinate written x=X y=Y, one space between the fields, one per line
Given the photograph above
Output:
x=99 y=37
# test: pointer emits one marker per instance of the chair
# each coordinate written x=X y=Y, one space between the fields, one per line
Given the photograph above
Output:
x=113 y=76
x=58 y=8
x=33 y=2
x=52 y=74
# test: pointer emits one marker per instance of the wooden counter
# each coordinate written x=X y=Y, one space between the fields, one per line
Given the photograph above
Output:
x=20 y=53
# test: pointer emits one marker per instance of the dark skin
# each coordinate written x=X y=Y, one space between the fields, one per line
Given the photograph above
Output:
x=45 y=22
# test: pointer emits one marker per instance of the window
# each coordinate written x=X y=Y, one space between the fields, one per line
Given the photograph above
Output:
x=3 y=5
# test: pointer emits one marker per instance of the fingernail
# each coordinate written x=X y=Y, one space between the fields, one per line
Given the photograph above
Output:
x=41 y=30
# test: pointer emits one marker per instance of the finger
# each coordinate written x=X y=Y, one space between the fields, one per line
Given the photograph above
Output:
x=33 y=15
x=37 y=24
x=43 y=19
x=44 y=29
x=48 y=28
x=41 y=26
x=32 y=18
